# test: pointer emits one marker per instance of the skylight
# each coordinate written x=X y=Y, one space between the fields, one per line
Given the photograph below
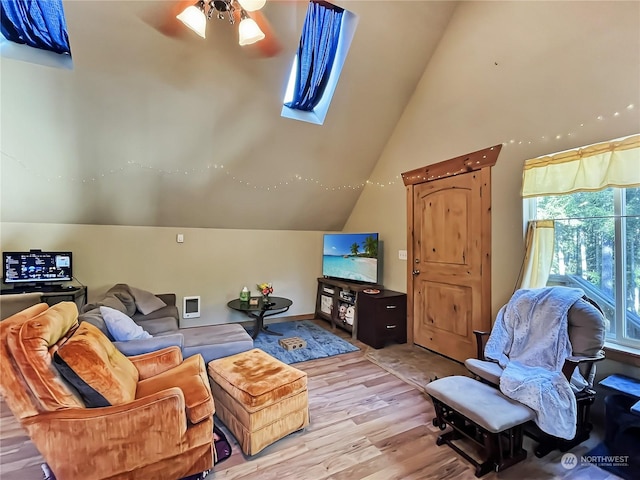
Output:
x=312 y=84
x=35 y=31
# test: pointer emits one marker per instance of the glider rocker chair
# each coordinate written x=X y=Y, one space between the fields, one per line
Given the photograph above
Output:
x=540 y=354
x=95 y=414
x=586 y=327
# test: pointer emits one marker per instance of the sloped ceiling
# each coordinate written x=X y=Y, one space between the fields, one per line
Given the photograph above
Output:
x=152 y=130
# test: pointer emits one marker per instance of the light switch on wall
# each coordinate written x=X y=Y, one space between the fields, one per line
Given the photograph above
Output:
x=402 y=254
x=180 y=238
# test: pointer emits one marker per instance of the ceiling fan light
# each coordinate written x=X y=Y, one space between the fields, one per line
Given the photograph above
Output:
x=249 y=32
x=252 y=5
x=194 y=18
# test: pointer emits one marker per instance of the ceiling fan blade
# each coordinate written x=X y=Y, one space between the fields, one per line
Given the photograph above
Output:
x=164 y=20
x=269 y=46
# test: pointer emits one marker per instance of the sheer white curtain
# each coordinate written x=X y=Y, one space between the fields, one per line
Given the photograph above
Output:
x=538 y=254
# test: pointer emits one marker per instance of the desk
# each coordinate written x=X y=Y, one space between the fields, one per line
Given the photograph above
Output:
x=75 y=294
x=260 y=311
x=51 y=296
x=622 y=423
x=626 y=385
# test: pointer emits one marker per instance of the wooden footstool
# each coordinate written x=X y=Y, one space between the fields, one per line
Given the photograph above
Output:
x=482 y=414
x=259 y=398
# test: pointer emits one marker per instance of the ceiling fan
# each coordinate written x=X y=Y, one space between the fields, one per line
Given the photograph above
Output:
x=254 y=30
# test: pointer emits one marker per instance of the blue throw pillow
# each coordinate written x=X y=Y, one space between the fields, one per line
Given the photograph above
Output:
x=121 y=327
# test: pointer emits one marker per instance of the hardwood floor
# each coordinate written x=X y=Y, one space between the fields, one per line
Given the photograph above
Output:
x=365 y=423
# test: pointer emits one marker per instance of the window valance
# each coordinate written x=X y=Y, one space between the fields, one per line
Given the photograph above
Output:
x=609 y=164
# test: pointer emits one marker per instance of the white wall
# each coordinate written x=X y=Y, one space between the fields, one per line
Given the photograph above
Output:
x=511 y=72
x=533 y=75
x=154 y=130
x=212 y=263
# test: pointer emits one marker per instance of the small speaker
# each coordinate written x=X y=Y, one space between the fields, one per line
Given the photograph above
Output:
x=191 y=307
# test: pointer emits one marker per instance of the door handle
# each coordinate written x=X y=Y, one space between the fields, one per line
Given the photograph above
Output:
x=415 y=272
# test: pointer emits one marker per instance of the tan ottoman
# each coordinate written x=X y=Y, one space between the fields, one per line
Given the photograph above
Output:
x=259 y=398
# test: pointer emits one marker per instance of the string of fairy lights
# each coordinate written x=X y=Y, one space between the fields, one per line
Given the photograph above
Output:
x=545 y=138
x=131 y=165
x=291 y=180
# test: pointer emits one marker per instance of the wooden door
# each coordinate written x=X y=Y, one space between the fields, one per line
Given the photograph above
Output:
x=449 y=277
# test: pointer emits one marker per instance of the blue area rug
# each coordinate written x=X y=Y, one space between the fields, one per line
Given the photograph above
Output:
x=320 y=342
x=604 y=458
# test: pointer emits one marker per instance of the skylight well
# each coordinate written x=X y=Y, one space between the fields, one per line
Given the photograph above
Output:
x=324 y=43
x=35 y=31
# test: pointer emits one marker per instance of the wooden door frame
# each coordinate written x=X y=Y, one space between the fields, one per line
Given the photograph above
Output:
x=481 y=160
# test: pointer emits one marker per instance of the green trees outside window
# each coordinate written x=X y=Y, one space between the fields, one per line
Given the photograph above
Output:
x=597 y=248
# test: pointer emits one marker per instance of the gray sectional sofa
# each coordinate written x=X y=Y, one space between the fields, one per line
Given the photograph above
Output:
x=212 y=342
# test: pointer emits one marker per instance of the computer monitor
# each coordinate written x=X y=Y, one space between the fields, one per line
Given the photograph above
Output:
x=37 y=267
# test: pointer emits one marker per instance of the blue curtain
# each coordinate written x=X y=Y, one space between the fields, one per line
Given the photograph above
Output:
x=37 y=23
x=318 y=44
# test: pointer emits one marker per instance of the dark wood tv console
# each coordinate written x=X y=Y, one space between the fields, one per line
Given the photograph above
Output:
x=382 y=318
x=337 y=301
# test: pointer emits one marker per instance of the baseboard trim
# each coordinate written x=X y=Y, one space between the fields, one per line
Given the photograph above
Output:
x=290 y=318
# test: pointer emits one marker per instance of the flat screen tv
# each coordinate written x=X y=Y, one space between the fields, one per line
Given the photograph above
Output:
x=351 y=256
x=37 y=267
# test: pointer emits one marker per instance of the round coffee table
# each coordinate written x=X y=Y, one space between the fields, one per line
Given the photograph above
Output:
x=260 y=311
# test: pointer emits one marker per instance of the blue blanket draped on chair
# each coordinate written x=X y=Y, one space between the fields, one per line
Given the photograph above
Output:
x=530 y=341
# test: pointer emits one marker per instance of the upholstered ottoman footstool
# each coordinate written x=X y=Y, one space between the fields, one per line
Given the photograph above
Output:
x=259 y=398
x=483 y=415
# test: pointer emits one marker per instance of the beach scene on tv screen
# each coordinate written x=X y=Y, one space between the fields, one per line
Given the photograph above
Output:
x=352 y=256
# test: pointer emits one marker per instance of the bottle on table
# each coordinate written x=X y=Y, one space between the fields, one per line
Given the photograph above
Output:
x=245 y=294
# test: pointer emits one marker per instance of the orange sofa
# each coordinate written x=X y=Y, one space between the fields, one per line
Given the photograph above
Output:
x=153 y=415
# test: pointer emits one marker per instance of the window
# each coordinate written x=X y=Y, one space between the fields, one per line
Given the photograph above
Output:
x=324 y=43
x=592 y=195
x=35 y=31
x=597 y=248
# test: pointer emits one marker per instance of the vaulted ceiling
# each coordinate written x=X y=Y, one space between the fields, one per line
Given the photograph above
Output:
x=153 y=130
